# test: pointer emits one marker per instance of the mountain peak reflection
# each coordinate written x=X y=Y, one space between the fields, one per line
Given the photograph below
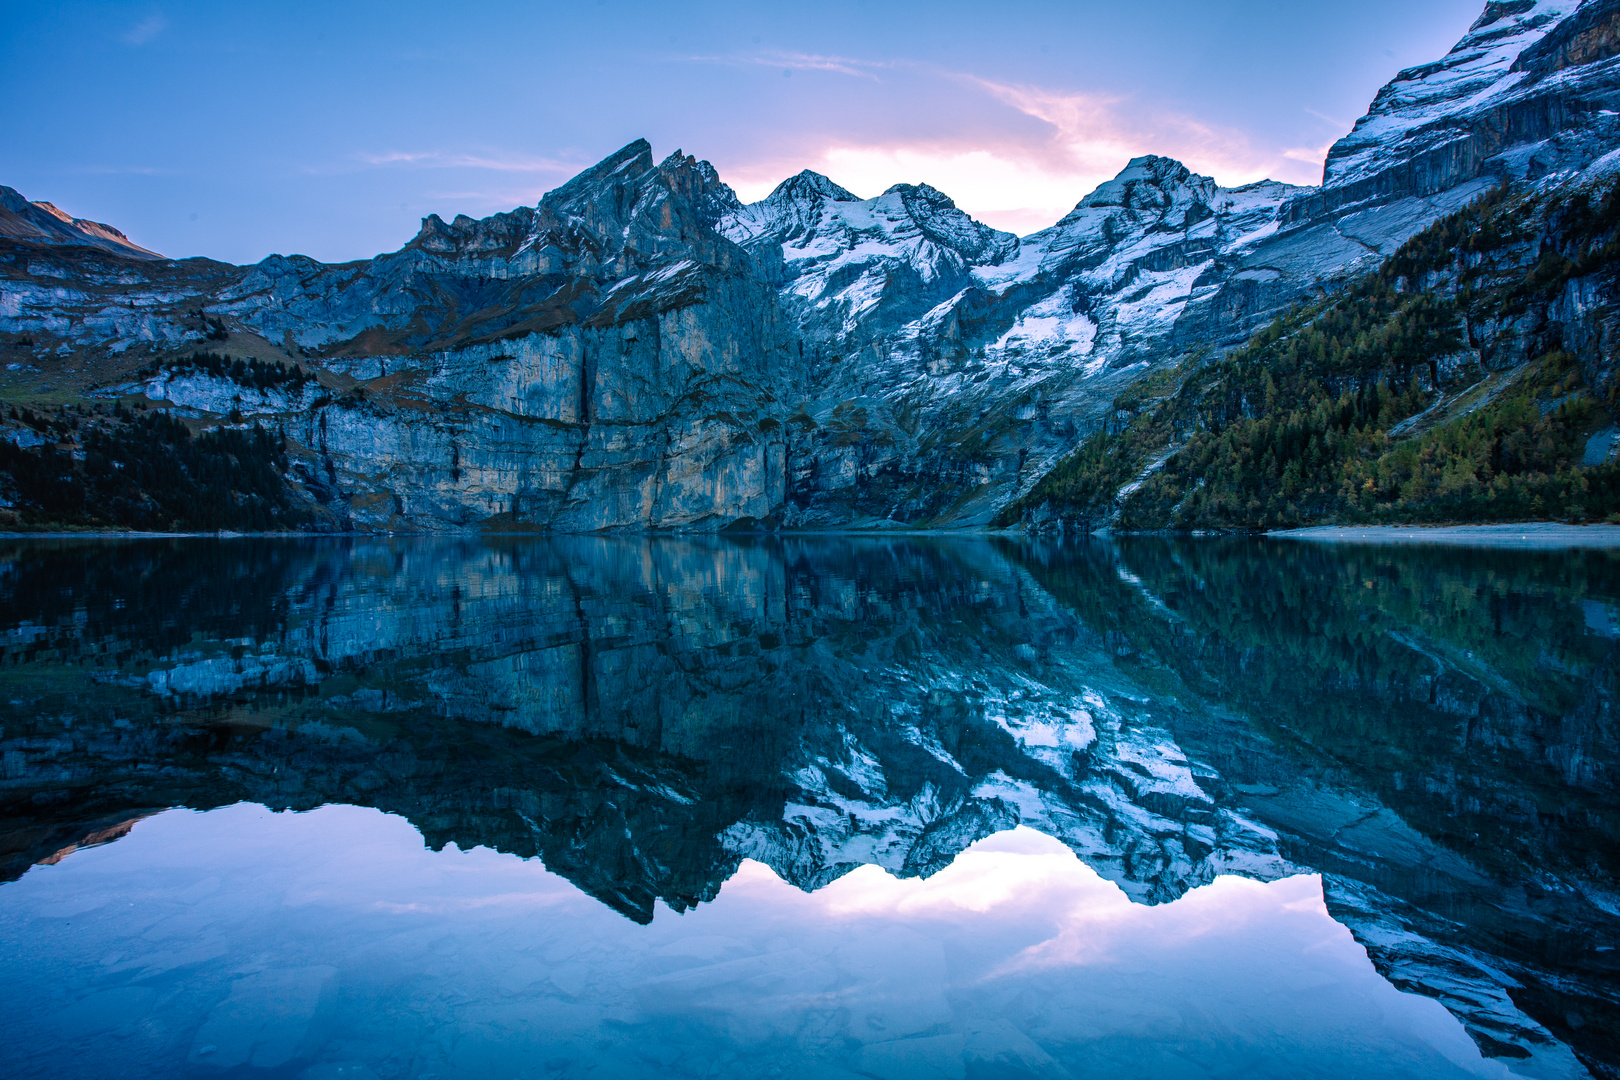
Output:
x=644 y=715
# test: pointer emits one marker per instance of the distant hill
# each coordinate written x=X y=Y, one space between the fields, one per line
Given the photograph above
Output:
x=43 y=223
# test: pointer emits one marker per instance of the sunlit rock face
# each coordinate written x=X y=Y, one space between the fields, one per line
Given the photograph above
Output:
x=43 y=223
x=641 y=351
x=1432 y=731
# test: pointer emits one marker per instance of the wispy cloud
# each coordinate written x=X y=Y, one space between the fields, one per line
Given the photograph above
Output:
x=125 y=170
x=796 y=61
x=488 y=161
x=145 y=30
x=1021 y=176
x=1029 y=155
x=1339 y=125
x=1313 y=156
x=493 y=200
x=439 y=159
x=1095 y=135
x=509 y=179
x=811 y=62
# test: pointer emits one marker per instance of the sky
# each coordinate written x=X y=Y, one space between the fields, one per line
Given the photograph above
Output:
x=236 y=130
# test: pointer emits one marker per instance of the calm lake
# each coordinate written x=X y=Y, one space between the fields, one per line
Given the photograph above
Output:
x=807 y=808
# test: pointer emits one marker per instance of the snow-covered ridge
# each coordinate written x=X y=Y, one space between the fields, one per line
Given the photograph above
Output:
x=1528 y=91
x=840 y=252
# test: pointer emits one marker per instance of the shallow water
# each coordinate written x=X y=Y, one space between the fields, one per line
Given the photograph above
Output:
x=824 y=807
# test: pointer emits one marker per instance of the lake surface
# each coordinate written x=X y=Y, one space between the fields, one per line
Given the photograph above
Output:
x=817 y=807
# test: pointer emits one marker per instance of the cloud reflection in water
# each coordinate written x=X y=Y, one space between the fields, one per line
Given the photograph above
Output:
x=335 y=940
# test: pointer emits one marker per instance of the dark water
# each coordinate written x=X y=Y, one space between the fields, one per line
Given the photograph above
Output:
x=810 y=808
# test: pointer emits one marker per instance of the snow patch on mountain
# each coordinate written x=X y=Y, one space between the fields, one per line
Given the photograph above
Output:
x=1413 y=112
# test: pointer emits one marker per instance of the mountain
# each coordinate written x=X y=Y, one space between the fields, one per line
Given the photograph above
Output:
x=1471 y=377
x=1525 y=93
x=43 y=223
x=641 y=350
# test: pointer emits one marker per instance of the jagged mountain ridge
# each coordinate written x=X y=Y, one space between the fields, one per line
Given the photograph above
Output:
x=640 y=350
x=1513 y=74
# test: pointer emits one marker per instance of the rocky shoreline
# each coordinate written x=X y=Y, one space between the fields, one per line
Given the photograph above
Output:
x=1529 y=535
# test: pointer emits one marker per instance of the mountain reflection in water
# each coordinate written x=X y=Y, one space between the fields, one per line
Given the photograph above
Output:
x=1430 y=729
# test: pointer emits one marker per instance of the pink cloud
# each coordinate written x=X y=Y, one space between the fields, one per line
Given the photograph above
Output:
x=1024 y=176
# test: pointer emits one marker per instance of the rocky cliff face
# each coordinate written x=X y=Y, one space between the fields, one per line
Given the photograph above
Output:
x=1525 y=93
x=639 y=350
x=604 y=360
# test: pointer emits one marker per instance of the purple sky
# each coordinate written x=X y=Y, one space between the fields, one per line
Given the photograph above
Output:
x=237 y=130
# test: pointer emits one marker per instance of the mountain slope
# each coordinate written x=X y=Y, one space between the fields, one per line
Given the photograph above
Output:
x=43 y=223
x=1472 y=377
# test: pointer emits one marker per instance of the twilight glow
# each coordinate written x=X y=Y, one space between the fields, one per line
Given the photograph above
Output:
x=235 y=131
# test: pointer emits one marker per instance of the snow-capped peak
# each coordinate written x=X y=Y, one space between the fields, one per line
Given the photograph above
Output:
x=1439 y=105
x=846 y=256
x=812 y=217
x=1149 y=183
x=810 y=185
